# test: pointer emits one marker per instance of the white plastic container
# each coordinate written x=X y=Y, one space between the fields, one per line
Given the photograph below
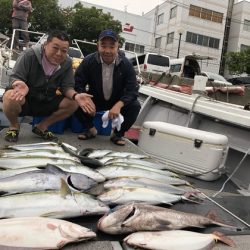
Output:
x=200 y=83
x=185 y=150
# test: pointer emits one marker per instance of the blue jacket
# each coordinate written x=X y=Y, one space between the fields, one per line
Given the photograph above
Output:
x=88 y=79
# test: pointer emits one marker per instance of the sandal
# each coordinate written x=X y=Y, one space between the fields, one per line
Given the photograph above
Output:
x=46 y=135
x=11 y=135
x=117 y=140
x=86 y=136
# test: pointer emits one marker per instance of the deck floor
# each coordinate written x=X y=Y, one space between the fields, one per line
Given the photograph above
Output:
x=229 y=198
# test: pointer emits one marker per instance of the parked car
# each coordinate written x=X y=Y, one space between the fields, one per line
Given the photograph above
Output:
x=216 y=78
x=239 y=80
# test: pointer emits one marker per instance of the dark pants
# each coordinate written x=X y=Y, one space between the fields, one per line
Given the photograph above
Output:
x=129 y=112
x=20 y=24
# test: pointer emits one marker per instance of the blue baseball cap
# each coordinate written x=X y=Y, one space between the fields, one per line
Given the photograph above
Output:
x=108 y=33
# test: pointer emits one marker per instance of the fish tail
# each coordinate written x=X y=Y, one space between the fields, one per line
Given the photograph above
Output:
x=223 y=238
x=213 y=216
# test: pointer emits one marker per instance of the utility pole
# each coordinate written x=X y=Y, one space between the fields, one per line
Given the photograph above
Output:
x=226 y=36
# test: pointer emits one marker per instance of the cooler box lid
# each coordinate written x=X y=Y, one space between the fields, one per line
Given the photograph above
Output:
x=190 y=133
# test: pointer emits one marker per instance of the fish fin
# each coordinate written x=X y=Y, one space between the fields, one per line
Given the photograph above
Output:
x=223 y=238
x=163 y=224
x=215 y=220
x=191 y=198
x=85 y=152
x=211 y=215
x=52 y=214
x=68 y=149
x=2 y=193
x=64 y=190
x=90 y=162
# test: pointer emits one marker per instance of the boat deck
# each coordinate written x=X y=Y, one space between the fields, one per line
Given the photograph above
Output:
x=229 y=198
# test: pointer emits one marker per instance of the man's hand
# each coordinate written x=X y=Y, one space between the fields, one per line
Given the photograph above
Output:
x=85 y=103
x=20 y=90
x=115 y=110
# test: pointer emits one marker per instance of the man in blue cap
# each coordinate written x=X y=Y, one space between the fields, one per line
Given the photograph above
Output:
x=106 y=80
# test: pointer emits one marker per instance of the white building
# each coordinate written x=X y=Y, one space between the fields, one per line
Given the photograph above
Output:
x=181 y=27
x=135 y=28
x=239 y=37
x=190 y=26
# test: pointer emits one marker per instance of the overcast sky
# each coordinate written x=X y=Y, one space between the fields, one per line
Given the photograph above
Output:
x=132 y=6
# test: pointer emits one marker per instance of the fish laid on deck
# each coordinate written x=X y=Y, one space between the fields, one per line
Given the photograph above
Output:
x=45 y=179
x=142 y=217
x=143 y=182
x=56 y=204
x=120 y=196
x=111 y=172
x=176 y=240
x=40 y=233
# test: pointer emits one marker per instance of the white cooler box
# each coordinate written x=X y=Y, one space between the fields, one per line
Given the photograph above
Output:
x=185 y=150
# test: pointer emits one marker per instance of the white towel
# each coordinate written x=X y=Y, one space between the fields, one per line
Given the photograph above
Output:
x=116 y=123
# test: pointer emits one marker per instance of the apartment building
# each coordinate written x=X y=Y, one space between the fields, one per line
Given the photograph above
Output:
x=177 y=28
x=185 y=27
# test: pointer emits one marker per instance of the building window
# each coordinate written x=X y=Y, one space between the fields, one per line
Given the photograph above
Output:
x=217 y=17
x=170 y=37
x=194 y=11
x=246 y=25
x=139 y=48
x=202 y=40
x=135 y=47
x=207 y=14
x=130 y=46
x=173 y=12
x=160 y=19
x=158 y=42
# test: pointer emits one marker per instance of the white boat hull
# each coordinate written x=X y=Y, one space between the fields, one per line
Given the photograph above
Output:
x=201 y=113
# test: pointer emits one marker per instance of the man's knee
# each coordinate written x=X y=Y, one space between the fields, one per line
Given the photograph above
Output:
x=7 y=96
x=68 y=105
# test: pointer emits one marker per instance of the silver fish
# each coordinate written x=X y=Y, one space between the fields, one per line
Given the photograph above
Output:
x=40 y=233
x=120 y=196
x=111 y=172
x=127 y=155
x=176 y=240
x=14 y=163
x=33 y=146
x=81 y=169
x=46 y=179
x=142 y=182
x=55 y=204
x=69 y=168
x=11 y=172
x=142 y=217
x=159 y=171
x=154 y=165
x=38 y=153
x=98 y=153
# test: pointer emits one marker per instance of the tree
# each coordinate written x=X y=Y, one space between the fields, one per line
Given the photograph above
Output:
x=79 y=22
x=5 y=17
x=46 y=16
x=238 y=62
x=87 y=23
